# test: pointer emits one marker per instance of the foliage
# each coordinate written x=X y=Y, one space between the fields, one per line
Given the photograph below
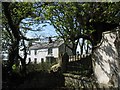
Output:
x=37 y=67
x=45 y=66
x=64 y=21
x=18 y=12
x=13 y=14
x=72 y=20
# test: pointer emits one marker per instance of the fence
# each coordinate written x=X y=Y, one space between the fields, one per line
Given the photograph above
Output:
x=74 y=58
x=74 y=62
x=77 y=57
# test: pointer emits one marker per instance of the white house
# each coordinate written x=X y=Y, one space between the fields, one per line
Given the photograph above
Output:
x=47 y=51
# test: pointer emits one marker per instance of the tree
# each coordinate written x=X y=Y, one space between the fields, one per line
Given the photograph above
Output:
x=64 y=21
x=82 y=20
x=13 y=15
x=71 y=20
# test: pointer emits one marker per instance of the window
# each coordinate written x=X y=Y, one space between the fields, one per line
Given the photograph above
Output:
x=42 y=60
x=29 y=60
x=35 y=60
x=29 y=52
x=35 y=52
x=49 y=50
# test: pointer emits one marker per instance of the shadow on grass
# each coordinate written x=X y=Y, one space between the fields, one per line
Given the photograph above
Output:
x=36 y=80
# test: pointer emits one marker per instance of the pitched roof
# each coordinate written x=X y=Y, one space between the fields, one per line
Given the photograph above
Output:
x=45 y=45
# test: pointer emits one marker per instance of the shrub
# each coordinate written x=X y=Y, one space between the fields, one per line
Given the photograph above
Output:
x=44 y=66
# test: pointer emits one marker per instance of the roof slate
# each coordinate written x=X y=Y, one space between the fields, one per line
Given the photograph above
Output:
x=46 y=45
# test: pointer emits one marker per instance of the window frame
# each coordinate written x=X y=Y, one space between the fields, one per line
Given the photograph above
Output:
x=35 y=52
x=50 y=50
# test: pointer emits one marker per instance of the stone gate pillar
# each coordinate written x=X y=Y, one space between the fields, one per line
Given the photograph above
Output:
x=118 y=48
x=64 y=62
x=106 y=59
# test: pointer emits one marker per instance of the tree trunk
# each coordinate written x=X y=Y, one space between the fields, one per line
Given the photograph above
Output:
x=82 y=46
x=14 y=49
x=23 y=60
x=23 y=71
x=74 y=51
x=13 y=54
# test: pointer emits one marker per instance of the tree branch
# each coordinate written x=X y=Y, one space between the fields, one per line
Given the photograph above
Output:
x=10 y=21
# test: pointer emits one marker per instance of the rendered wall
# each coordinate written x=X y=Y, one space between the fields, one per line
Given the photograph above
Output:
x=106 y=59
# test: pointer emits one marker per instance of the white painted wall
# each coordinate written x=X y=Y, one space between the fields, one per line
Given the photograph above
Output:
x=105 y=59
x=55 y=52
x=41 y=53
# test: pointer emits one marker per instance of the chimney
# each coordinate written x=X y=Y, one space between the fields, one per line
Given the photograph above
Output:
x=50 y=40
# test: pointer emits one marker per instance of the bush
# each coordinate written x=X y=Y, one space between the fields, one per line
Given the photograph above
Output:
x=45 y=66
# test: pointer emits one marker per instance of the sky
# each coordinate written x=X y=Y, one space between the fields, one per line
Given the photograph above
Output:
x=46 y=31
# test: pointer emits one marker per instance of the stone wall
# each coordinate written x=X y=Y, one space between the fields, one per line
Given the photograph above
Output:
x=77 y=82
x=106 y=59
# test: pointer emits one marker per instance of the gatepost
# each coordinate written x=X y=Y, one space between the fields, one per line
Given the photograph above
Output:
x=64 y=62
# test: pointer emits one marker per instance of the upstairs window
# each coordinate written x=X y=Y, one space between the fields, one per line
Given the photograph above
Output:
x=29 y=60
x=35 y=60
x=29 y=52
x=50 y=51
x=35 y=52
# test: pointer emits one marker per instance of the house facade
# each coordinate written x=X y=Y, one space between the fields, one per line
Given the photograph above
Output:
x=47 y=52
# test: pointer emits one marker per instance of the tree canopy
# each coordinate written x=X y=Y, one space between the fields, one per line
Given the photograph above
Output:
x=76 y=23
x=80 y=20
x=13 y=13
